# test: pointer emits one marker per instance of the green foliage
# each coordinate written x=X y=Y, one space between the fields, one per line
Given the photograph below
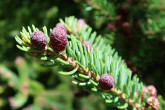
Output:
x=100 y=59
x=142 y=43
x=162 y=102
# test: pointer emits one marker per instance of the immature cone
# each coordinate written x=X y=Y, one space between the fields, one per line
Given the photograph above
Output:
x=139 y=23
x=87 y=43
x=152 y=90
x=38 y=39
x=58 y=39
x=80 y=22
x=111 y=26
x=125 y=25
x=154 y=102
x=106 y=81
x=61 y=25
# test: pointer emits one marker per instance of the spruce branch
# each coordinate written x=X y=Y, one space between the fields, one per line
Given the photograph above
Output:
x=103 y=6
x=151 y=24
x=88 y=64
x=162 y=103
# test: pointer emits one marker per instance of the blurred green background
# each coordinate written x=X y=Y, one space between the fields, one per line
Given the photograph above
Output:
x=50 y=91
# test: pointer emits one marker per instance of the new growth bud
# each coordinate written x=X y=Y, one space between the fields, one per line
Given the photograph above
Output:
x=106 y=81
x=125 y=25
x=152 y=90
x=38 y=39
x=58 y=39
x=81 y=22
x=111 y=26
x=87 y=43
x=62 y=26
